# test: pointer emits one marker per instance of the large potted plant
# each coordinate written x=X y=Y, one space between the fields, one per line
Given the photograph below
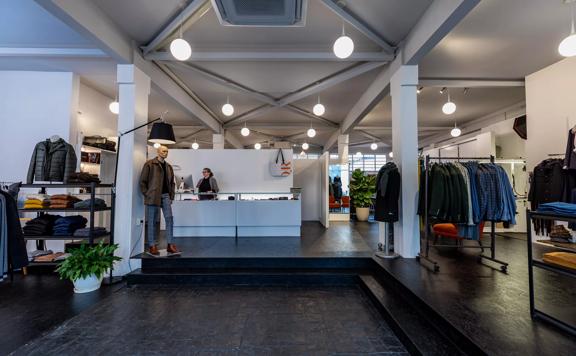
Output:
x=86 y=266
x=362 y=188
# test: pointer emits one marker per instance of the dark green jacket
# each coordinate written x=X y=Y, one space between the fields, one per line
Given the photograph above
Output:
x=52 y=162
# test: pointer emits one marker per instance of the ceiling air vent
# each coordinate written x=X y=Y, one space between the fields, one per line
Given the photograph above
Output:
x=268 y=13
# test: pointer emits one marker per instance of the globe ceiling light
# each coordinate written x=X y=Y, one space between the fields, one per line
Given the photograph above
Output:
x=180 y=49
x=157 y=145
x=358 y=154
x=257 y=146
x=567 y=47
x=318 y=109
x=245 y=131
x=455 y=132
x=195 y=145
x=228 y=109
x=343 y=46
x=311 y=132
x=449 y=108
x=374 y=146
x=305 y=146
x=114 y=107
x=302 y=153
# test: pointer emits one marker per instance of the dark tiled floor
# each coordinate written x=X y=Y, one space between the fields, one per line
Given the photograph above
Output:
x=225 y=321
x=34 y=304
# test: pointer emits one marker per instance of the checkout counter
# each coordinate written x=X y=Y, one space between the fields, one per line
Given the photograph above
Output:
x=237 y=214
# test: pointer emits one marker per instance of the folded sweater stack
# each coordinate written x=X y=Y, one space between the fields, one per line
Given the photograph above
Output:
x=85 y=204
x=36 y=201
x=68 y=225
x=42 y=225
x=62 y=201
x=563 y=259
x=85 y=232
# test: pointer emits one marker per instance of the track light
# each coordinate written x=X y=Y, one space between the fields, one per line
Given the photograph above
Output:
x=443 y=90
x=257 y=146
x=228 y=109
x=180 y=48
x=305 y=146
x=318 y=109
x=567 y=47
x=114 y=107
x=374 y=146
x=245 y=131
x=343 y=46
x=419 y=90
x=455 y=132
x=449 y=108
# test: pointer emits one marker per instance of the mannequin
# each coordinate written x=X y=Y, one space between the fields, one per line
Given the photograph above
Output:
x=158 y=187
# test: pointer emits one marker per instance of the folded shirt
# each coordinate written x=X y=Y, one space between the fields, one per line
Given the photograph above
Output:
x=85 y=232
x=564 y=259
x=85 y=204
x=558 y=207
x=37 y=196
x=49 y=258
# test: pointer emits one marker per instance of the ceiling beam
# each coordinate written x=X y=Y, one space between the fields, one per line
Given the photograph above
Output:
x=359 y=25
x=469 y=83
x=331 y=140
x=374 y=137
x=259 y=56
x=389 y=128
x=52 y=52
x=311 y=89
x=284 y=125
x=232 y=140
x=86 y=18
x=308 y=114
x=438 y=20
x=190 y=14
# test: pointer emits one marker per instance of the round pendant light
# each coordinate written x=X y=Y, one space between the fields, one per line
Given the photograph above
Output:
x=311 y=132
x=343 y=46
x=455 y=132
x=228 y=109
x=567 y=47
x=374 y=146
x=358 y=154
x=318 y=109
x=257 y=146
x=305 y=146
x=391 y=154
x=195 y=145
x=302 y=153
x=180 y=49
x=449 y=108
x=157 y=145
x=114 y=107
x=245 y=130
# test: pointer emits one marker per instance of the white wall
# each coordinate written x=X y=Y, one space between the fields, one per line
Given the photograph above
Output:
x=307 y=177
x=94 y=117
x=237 y=171
x=33 y=107
x=550 y=109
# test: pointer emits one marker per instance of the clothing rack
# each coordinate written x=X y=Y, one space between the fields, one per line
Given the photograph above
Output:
x=425 y=255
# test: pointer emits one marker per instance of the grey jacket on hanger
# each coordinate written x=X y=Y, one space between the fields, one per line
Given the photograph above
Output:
x=52 y=162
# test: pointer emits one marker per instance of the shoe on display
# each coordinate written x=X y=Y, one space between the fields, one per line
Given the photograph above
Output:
x=153 y=250
x=172 y=250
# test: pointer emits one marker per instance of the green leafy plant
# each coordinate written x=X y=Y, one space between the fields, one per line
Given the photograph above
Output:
x=87 y=260
x=362 y=188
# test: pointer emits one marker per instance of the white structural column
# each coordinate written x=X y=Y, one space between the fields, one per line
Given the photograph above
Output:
x=343 y=141
x=217 y=141
x=134 y=89
x=405 y=146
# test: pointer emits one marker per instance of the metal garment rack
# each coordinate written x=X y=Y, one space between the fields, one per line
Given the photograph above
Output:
x=425 y=255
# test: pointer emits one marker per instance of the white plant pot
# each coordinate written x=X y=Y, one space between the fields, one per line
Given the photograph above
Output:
x=88 y=284
x=362 y=214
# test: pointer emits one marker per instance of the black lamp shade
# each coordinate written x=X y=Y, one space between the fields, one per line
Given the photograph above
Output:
x=162 y=133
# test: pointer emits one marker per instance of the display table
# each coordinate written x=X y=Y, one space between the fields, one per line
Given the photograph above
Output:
x=248 y=215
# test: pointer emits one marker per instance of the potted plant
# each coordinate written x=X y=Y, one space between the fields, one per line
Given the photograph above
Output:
x=362 y=188
x=86 y=266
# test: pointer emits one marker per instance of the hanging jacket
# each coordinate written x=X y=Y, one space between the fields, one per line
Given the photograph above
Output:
x=570 y=157
x=16 y=244
x=52 y=162
x=387 y=193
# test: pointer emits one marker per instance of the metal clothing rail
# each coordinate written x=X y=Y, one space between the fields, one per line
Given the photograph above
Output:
x=425 y=255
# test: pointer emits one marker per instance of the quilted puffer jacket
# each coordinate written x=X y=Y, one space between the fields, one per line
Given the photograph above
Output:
x=52 y=161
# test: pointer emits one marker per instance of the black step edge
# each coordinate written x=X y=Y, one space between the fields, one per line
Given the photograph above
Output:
x=427 y=311
x=417 y=334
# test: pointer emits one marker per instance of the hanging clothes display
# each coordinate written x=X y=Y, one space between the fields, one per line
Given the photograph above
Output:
x=52 y=161
x=12 y=244
x=467 y=194
x=387 y=193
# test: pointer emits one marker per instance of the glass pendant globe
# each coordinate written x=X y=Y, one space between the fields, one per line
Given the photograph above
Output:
x=257 y=146
x=180 y=49
x=318 y=109
x=311 y=132
x=343 y=47
x=358 y=154
x=567 y=47
x=157 y=145
x=195 y=146
x=305 y=146
x=449 y=108
x=374 y=146
x=245 y=131
x=302 y=153
x=114 y=107
x=227 y=109
x=391 y=154
x=455 y=132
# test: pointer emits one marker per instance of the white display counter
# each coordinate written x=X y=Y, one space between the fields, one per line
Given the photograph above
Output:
x=253 y=217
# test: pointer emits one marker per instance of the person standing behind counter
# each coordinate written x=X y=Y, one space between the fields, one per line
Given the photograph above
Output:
x=207 y=184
